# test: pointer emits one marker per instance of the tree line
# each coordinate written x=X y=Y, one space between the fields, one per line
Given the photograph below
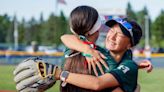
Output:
x=48 y=32
x=156 y=27
x=45 y=32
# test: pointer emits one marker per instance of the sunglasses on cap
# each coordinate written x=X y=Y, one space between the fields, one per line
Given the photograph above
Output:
x=126 y=25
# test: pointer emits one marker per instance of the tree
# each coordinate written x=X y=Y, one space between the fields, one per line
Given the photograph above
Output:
x=62 y=27
x=141 y=17
x=22 y=30
x=41 y=18
x=55 y=27
x=45 y=32
x=5 y=29
x=32 y=32
x=49 y=32
x=157 y=31
x=130 y=13
x=141 y=20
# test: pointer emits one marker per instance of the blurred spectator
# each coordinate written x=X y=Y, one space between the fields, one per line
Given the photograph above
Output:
x=147 y=52
x=154 y=50
x=136 y=53
x=161 y=50
x=34 y=45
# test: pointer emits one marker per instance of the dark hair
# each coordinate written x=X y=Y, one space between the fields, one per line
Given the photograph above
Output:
x=75 y=64
x=82 y=19
x=137 y=32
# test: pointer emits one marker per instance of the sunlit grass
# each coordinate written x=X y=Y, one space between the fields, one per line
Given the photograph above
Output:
x=149 y=82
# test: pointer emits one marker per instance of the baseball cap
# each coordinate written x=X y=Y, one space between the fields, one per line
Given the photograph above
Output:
x=129 y=28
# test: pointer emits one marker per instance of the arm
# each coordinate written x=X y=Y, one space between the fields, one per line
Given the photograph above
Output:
x=73 y=42
x=125 y=76
x=89 y=81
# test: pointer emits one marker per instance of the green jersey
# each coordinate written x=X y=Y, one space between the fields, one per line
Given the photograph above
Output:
x=126 y=71
x=112 y=64
x=126 y=74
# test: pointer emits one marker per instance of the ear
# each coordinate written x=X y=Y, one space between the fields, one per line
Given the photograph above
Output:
x=129 y=46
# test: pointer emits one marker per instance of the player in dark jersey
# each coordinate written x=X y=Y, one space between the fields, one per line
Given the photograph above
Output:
x=120 y=38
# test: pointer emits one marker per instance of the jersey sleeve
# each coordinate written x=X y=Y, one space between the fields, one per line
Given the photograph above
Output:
x=68 y=52
x=126 y=74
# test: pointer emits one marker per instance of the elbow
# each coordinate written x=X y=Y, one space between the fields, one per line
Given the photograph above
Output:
x=97 y=86
x=62 y=38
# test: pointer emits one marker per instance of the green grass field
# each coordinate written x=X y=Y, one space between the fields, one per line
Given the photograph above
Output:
x=149 y=82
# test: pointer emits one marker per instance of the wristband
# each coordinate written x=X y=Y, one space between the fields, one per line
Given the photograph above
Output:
x=86 y=55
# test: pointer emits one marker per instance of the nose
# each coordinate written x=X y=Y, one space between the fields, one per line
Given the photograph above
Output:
x=113 y=35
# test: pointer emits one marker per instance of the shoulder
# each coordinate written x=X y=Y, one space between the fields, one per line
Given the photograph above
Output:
x=129 y=63
x=129 y=66
x=126 y=74
x=67 y=51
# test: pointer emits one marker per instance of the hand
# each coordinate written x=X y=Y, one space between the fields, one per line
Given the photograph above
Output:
x=33 y=75
x=96 y=59
x=92 y=64
x=146 y=64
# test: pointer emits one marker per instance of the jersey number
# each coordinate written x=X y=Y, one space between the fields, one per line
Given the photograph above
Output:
x=123 y=68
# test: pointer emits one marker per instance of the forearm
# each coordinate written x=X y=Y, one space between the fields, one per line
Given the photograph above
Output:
x=73 y=42
x=83 y=81
x=92 y=82
x=80 y=80
x=89 y=81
